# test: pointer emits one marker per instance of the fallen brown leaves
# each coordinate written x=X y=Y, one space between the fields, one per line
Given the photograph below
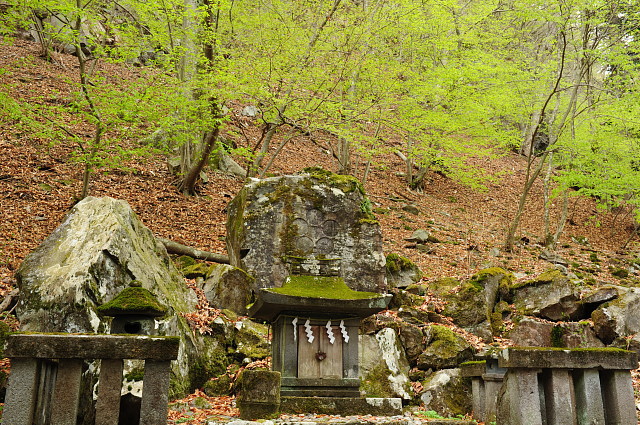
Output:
x=197 y=408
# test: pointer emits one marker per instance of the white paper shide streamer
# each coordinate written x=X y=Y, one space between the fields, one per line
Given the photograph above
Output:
x=343 y=330
x=332 y=338
x=294 y=322
x=309 y=332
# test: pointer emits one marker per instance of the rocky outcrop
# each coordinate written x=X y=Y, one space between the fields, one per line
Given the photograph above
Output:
x=313 y=223
x=530 y=332
x=384 y=369
x=618 y=318
x=97 y=251
x=472 y=303
x=445 y=349
x=447 y=393
x=552 y=295
x=228 y=287
x=401 y=272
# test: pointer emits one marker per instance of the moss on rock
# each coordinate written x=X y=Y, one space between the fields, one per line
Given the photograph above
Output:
x=330 y=287
x=133 y=300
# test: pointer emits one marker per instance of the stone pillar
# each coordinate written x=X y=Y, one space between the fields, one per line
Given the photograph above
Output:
x=559 y=397
x=109 y=389
x=259 y=395
x=155 y=396
x=524 y=395
x=21 y=392
x=66 y=393
x=619 y=403
x=492 y=385
x=478 y=398
x=588 y=392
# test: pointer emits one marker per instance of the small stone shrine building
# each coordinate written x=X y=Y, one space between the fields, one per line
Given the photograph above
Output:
x=315 y=251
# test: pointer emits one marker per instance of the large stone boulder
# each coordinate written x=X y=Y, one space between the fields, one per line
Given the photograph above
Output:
x=384 y=369
x=447 y=393
x=472 y=302
x=315 y=223
x=531 y=332
x=552 y=295
x=446 y=349
x=228 y=287
x=401 y=272
x=618 y=318
x=97 y=251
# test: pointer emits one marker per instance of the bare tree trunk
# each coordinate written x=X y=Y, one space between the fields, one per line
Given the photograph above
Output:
x=188 y=183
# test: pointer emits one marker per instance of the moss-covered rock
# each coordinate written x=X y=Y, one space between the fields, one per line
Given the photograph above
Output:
x=472 y=302
x=228 y=287
x=401 y=272
x=384 y=368
x=618 y=318
x=218 y=386
x=95 y=253
x=447 y=393
x=252 y=340
x=312 y=220
x=551 y=295
x=445 y=350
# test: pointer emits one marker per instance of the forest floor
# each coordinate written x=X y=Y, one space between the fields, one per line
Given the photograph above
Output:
x=39 y=183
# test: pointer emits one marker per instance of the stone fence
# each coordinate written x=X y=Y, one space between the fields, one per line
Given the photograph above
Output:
x=486 y=381
x=45 y=381
x=567 y=387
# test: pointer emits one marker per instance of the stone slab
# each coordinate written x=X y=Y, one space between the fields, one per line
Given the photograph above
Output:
x=155 y=392
x=109 y=389
x=619 y=403
x=91 y=346
x=21 y=392
x=341 y=405
x=66 y=393
x=589 y=358
x=471 y=369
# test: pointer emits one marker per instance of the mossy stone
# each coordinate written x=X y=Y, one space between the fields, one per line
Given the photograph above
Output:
x=133 y=300
x=218 y=386
x=329 y=287
x=377 y=384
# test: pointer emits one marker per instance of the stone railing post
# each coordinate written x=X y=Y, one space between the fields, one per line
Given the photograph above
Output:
x=568 y=386
x=33 y=392
x=486 y=381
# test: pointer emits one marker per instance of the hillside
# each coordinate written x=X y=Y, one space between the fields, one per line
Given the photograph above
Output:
x=39 y=183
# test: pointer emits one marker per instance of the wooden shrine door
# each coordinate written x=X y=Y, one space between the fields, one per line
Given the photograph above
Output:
x=320 y=358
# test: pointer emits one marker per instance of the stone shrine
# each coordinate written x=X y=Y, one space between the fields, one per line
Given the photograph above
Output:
x=315 y=251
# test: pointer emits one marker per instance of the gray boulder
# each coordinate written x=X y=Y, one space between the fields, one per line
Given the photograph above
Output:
x=447 y=393
x=618 y=318
x=100 y=247
x=316 y=223
x=384 y=369
x=446 y=349
x=401 y=272
x=473 y=301
x=552 y=295
x=530 y=332
x=228 y=287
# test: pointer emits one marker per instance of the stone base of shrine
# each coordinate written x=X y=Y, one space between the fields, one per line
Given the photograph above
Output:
x=315 y=387
x=343 y=406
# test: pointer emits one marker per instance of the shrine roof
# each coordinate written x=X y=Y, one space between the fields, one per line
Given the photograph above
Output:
x=317 y=294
